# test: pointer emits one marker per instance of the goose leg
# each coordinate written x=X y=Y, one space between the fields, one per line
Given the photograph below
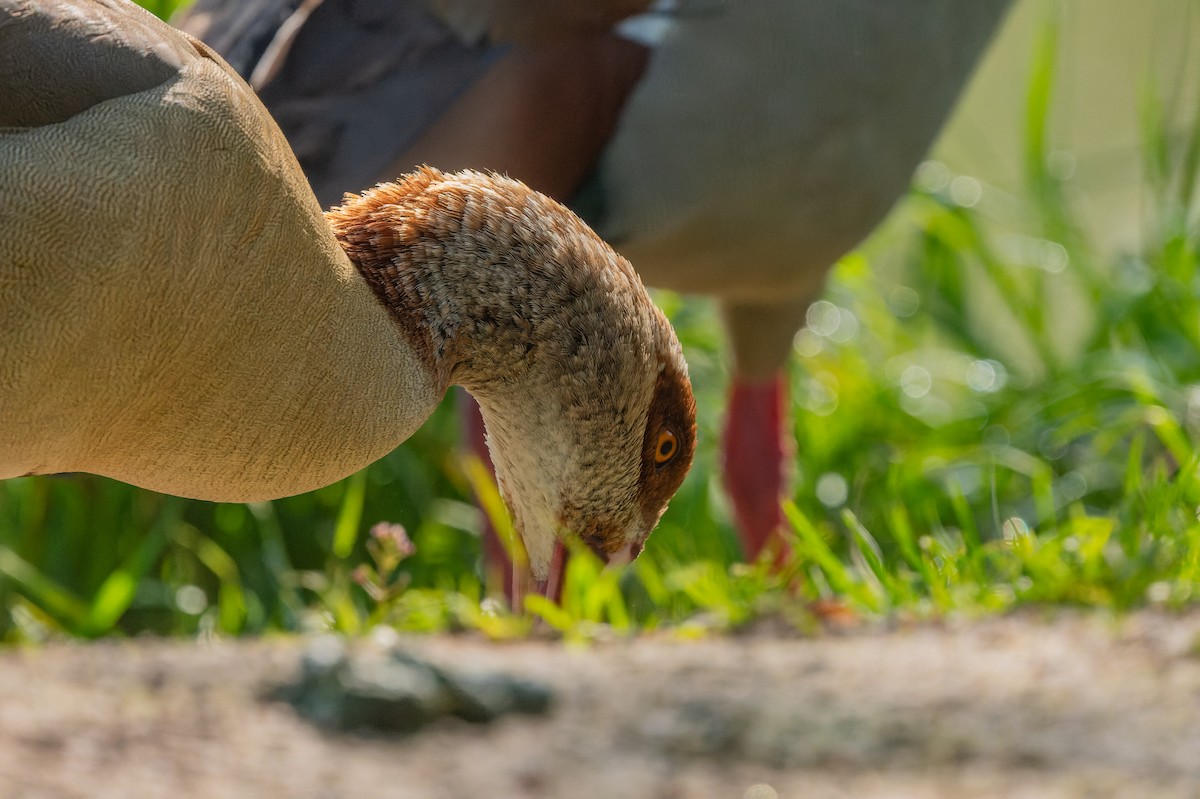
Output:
x=552 y=586
x=520 y=583
x=757 y=447
x=755 y=450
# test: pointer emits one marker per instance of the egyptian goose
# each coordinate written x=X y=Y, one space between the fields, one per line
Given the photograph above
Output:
x=730 y=148
x=180 y=315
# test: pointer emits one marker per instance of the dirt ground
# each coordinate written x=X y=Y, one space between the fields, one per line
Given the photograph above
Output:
x=1078 y=706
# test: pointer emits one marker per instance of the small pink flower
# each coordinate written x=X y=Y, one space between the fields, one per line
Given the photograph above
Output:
x=395 y=536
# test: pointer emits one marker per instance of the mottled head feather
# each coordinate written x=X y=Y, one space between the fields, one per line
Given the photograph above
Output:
x=508 y=293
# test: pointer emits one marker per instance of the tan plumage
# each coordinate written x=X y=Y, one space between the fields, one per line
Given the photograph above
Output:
x=180 y=315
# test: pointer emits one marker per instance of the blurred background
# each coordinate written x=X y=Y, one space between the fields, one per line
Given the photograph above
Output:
x=996 y=402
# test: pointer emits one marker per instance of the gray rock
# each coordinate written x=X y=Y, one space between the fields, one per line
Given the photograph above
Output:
x=398 y=693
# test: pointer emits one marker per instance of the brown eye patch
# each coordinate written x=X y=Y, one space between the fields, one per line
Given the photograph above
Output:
x=668 y=444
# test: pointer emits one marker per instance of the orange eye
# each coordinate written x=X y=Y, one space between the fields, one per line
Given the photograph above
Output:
x=666 y=447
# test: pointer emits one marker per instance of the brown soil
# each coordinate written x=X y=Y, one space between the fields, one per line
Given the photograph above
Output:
x=1018 y=707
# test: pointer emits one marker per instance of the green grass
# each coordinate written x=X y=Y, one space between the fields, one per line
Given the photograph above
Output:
x=955 y=457
x=163 y=9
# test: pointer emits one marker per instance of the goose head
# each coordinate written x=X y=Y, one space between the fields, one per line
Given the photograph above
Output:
x=584 y=391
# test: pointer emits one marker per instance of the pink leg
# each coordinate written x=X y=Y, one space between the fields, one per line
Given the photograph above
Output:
x=552 y=587
x=755 y=452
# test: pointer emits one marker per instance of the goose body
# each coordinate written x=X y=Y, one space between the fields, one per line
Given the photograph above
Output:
x=735 y=149
x=764 y=141
x=181 y=315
